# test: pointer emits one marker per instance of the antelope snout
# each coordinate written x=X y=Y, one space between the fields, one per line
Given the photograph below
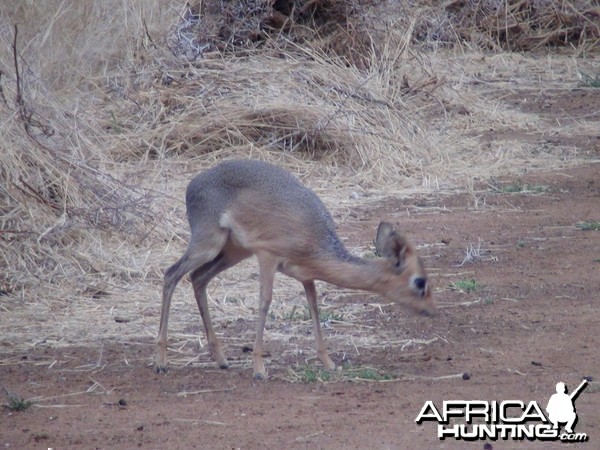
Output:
x=418 y=285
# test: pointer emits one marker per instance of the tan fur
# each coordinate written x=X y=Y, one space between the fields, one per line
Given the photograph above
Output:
x=242 y=208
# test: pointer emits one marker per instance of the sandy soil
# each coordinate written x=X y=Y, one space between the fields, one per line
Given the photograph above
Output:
x=531 y=322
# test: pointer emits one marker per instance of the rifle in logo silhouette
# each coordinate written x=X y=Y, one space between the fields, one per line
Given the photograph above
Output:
x=577 y=391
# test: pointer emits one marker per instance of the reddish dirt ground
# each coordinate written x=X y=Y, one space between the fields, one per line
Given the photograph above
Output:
x=532 y=321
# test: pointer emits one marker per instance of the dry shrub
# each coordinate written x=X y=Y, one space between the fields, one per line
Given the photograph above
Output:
x=294 y=129
x=511 y=24
x=305 y=104
x=353 y=29
x=59 y=211
x=58 y=194
x=38 y=166
x=337 y=27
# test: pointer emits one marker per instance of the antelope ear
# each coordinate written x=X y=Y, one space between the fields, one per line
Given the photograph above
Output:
x=390 y=244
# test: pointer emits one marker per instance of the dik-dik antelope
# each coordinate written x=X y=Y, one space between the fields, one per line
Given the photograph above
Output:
x=242 y=208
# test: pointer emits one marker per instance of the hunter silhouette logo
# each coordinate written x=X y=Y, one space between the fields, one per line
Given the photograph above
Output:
x=561 y=408
x=508 y=419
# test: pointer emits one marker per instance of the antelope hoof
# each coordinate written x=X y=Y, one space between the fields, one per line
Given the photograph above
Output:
x=259 y=376
x=224 y=366
x=328 y=364
x=160 y=369
x=331 y=368
x=427 y=313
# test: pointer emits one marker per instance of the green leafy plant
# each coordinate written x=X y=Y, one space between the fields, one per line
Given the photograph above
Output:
x=368 y=373
x=590 y=80
x=16 y=403
x=519 y=186
x=304 y=314
x=311 y=375
x=587 y=226
x=465 y=285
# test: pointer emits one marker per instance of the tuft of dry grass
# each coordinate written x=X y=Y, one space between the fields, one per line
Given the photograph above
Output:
x=511 y=25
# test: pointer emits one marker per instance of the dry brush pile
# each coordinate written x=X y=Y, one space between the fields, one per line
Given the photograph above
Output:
x=108 y=108
x=512 y=24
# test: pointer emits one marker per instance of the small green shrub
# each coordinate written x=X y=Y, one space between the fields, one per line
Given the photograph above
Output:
x=465 y=285
x=587 y=226
x=519 y=186
x=590 y=80
x=16 y=403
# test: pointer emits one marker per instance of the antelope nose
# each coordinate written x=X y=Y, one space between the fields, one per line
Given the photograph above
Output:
x=420 y=283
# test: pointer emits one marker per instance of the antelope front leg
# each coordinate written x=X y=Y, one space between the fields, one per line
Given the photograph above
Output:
x=172 y=277
x=267 y=274
x=214 y=346
x=311 y=296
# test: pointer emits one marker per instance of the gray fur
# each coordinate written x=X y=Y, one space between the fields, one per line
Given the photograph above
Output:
x=211 y=192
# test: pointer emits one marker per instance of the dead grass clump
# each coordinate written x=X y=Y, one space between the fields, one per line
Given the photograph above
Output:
x=285 y=128
x=59 y=194
x=352 y=30
x=38 y=168
x=338 y=27
x=511 y=25
x=71 y=44
x=305 y=105
x=55 y=208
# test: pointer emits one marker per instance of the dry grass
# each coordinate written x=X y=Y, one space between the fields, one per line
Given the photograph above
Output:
x=512 y=25
x=116 y=105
